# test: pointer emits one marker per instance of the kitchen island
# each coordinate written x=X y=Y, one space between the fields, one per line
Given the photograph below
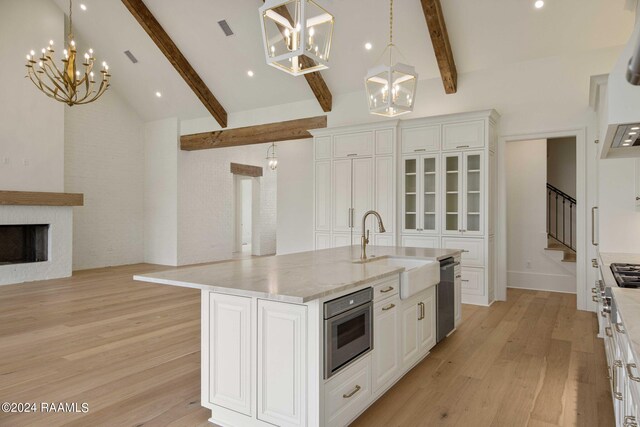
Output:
x=264 y=327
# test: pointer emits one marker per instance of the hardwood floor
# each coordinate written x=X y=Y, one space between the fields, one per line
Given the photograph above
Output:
x=131 y=350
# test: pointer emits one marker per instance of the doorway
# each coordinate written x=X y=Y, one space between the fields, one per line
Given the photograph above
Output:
x=541 y=214
x=243 y=216
x=580 y=238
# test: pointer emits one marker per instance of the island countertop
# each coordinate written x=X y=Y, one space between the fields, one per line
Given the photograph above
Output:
x=295 y=278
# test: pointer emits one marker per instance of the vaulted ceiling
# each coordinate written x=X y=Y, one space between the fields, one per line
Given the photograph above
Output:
x=484 y=34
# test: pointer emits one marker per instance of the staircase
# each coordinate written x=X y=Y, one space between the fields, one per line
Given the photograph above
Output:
x=568 y=254
x=561 y=223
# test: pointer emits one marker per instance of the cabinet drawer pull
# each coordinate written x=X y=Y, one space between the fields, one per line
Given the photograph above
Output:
x=631 y=366
x=389 y=307
x=355 y=390
x=462 y=146
x=464 y=280
x=616 y=364
x=619 y=328
x=385 y=290
x=458 y=276
x=607 y=330
x=464 y=250
x=421 y=307
x=352 y=154
x=420 y=149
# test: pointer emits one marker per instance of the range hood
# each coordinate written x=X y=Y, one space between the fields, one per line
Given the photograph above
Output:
x=621 y=112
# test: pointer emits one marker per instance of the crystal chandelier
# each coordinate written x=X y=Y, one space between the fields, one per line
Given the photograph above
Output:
x=297 y=35
x=271 y=156
x=391 y=88
x=67 y=84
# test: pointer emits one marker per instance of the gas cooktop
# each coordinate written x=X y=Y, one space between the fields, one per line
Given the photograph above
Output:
x=627 y=275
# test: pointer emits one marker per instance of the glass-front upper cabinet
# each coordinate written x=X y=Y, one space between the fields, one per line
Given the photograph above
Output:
x=473 y=196
x=452 y=168
x=420 y=194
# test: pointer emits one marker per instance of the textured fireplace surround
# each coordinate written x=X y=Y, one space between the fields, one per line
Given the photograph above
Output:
x=24 y=208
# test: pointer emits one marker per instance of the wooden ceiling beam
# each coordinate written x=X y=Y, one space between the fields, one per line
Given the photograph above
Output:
x=440 y=39
x=160 y=37
x=315 y=80
x=259 y=134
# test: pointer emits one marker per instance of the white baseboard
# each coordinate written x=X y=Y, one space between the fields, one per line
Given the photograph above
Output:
x=542 y=282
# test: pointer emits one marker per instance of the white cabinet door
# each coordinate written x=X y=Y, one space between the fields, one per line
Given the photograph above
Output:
x=347 y=393
x=323 y=240
x=323 y=196
x=282 y=363
x=341 y=184
x=473 y=199
x=427 y=320
x=230 y=352
x=420 y=139
x=386 y=353
x=384 y=192
x=459 y=136
x=420 y=242
x=451 y=192
x=429 y=191
x=353 y=144
x=341 y=239
x=473 y=281
x=323 y=147
x=473 y=253
x=409 y=332
x=362 y=196
x=385 y=141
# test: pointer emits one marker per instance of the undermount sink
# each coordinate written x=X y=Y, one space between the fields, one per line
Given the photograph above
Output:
x=417 y=276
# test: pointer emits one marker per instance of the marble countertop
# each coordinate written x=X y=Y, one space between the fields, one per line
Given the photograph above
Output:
x=608 y=258
x=295 y=278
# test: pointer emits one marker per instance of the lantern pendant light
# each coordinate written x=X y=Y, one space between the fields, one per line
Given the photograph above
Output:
x=297 y=35
x=271 y=157
x=391 y=89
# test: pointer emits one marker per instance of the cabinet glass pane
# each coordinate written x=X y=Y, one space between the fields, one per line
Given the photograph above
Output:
x=452 y=180
x=410 y=194
x=473 y=192
x=430 y=165
x=429 y=221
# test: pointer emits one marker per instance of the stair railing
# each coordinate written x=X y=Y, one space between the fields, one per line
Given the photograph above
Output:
x=558 y=203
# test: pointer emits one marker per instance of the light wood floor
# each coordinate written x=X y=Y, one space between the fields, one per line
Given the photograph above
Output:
x=131 y=350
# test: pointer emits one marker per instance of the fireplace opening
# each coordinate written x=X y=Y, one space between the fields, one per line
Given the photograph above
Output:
x=23 y=243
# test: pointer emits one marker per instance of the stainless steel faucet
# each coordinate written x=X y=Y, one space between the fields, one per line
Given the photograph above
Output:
x=364 y=240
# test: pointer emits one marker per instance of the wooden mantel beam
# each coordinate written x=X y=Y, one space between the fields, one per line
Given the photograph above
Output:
x=160 y=37
x=440 y=39
x=259 y=134
x=315 y=80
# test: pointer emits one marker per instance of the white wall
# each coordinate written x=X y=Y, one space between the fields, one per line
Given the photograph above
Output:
x=31 y=124
x=161 y=192
x=246 y=210
x=529 y=265
x=561 y=164
x=295 y=196
x=104 y=159
x=206 y=203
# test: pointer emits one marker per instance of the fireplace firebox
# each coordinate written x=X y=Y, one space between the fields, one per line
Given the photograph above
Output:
x=23 y=243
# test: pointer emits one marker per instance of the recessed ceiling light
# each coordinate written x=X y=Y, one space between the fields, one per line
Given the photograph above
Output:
x=628 y=140
x=83 y=6
x=626 y=144
x=159 y=95
x=538 y=4
x=250 y=73
x=368 y=46
x=635 y=128
x=633 y=133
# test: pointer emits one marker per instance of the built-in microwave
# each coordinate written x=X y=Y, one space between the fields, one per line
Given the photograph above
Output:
x=348 y=330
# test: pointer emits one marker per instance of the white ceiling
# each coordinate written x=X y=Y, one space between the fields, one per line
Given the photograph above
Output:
x=484 y=34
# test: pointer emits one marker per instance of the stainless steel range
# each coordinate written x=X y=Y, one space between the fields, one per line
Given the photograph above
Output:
x=626 y=275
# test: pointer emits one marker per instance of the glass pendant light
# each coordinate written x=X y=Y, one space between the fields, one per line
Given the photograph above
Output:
x=391 y=88
x=297 y=35
x=271 y=157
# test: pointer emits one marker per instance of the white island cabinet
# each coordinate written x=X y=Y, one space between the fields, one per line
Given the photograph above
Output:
x=263 y=334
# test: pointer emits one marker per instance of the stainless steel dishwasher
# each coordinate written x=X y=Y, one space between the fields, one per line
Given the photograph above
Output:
x=445 y=299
